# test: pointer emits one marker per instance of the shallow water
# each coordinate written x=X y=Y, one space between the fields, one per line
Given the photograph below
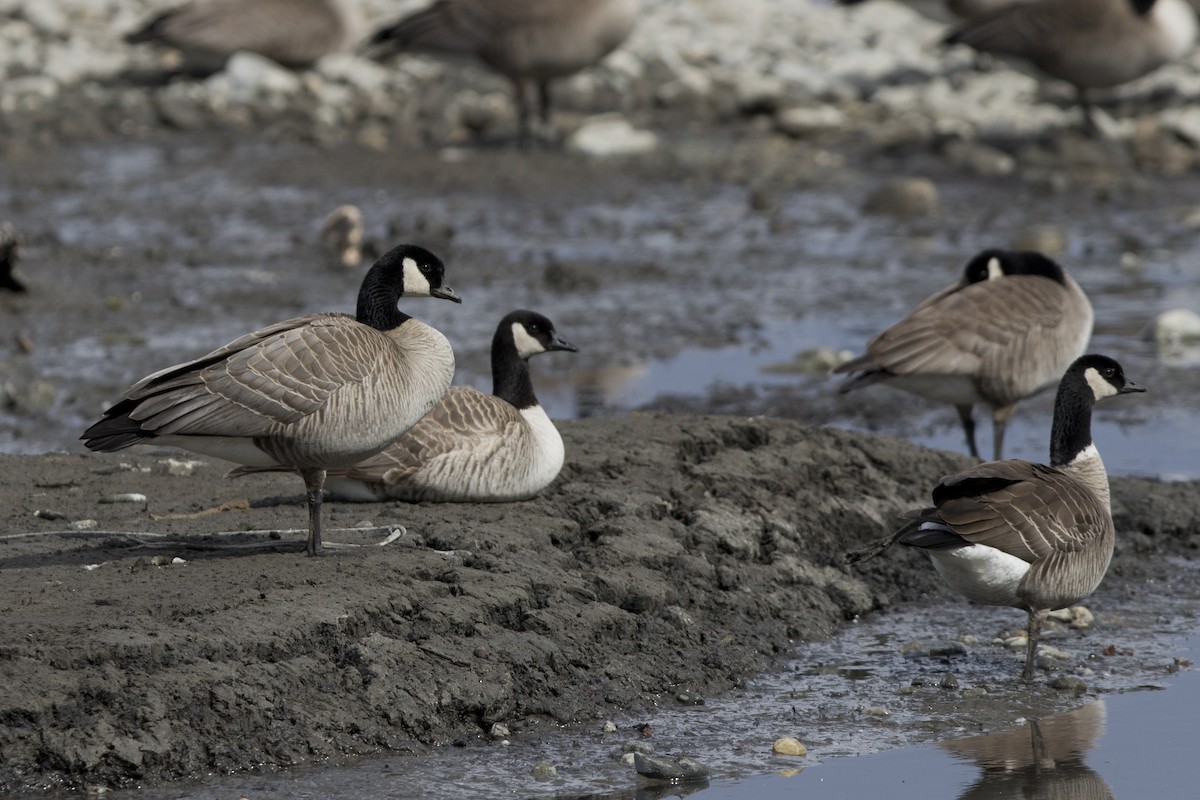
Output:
x=874 y=720
x=679 y=294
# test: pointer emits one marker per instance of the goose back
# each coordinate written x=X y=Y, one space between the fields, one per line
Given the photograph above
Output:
x=294 y=33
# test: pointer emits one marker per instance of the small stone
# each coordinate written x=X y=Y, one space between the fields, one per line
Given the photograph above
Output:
x=788 y=746
x=610 y=135
x=949 y=681
x=975 y=691
x=689 y=699
x=1049 y=239
x=876 y=711
x=499 y=731
x=906 y=198
x=669 y=769
x=84 y=525
x=933 y=649
x=181 y=467
x=801 y=122
x=1175 y=326
x=480 y=652
x=544 y=771
x=47 y=513
x=609 y=726
x=176 y=561
x=981 y=159
x=1068 y=683
x=124 y=497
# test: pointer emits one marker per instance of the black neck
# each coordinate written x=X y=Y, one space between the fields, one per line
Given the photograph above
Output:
x=510 y=374
x=377 y=301
x=1142 y=7
x=1071 y=431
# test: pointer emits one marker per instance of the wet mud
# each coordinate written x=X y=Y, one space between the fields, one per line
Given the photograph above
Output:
x=674 y=554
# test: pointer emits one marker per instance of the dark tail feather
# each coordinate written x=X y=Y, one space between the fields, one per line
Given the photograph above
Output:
x=115 y=432
x=150 y=32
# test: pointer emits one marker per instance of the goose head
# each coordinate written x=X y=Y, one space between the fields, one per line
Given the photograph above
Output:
x=1103 y=376
x=995 y=263
x=406 y=270
x=532 y=333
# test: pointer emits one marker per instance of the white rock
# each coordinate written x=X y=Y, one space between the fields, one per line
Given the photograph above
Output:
x=802 y=121
x=789 y=746
x=611 y=135
x=249 y=75
x=27 y=94
x=1175 y=326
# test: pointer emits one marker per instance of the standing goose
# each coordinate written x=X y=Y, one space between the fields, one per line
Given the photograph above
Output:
x=1090 y=44
x=1006 y=331
x=294 y=33
x=473 y=446
x=312 y=393
x=1030 y=536
x=526 y=41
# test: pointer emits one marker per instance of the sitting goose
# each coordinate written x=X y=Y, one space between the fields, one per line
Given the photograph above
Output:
x=1030 y=536
x=473 y=446
x=526 y=41
x=1090 y=44
x=294 y=33
x=315 y=392
x=1006 y=331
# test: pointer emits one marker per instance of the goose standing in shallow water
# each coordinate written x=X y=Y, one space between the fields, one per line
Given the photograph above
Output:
x=315 y=392
x=1090 y=44
x=473 y=446
x=530 y=42
x=1006 y=331
x=1030 y=536
x=294 y=33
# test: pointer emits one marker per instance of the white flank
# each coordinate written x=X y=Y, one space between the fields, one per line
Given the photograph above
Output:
x=546 y=457
x=981 y=573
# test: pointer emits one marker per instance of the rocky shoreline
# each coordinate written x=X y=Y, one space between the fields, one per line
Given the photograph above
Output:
x=674 y=554
x=868 y=77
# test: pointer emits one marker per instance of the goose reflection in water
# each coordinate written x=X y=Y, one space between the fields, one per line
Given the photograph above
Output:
x=1041 y=760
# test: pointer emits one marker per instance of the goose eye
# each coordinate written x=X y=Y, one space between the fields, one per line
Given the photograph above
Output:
x=1110 y=372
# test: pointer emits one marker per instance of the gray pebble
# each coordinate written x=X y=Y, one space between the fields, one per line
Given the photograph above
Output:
x=906 y=198
x=669 y=769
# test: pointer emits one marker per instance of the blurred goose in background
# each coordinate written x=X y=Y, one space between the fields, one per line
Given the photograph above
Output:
x=294 y=33
x=473 y=446
x=1090 y=44
x=530 y=42
x=1026 y=535
x=9 y=250
x=312 y=393
x=1005 y=331
x=947 y=10
x=342 y=235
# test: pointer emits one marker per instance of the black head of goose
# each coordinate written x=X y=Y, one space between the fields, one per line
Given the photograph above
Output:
x=526 y=41
x=473 y=446
x=1006 y=330
x=311 y=393
x=1090 y=44
x=1032 y=536
x=293 y=33
x=9 y=250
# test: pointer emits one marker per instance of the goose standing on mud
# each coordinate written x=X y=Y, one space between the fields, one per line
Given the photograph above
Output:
x=1026 y=535
x=530 y=42
x=312 y=393
x=294 y=33
x=1090 y=44
x=1005 y=331
x=473 y=446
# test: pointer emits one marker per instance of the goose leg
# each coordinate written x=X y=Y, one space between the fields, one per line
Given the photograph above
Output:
x=1035 y=630
x=1089 y=120
x=521 y=92
x=544 y=102
x=314 y=483
x=1000 y=418
x=968 y=423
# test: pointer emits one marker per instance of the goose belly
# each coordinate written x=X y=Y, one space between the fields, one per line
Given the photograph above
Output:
x=955 y=389
x=981 y=573
x=518 y=469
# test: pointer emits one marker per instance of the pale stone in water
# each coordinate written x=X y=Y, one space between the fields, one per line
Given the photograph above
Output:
x=609 y=135
x=904 y=197
x=789 y=746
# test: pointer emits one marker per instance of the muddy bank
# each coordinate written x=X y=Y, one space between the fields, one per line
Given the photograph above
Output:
x=675 y=553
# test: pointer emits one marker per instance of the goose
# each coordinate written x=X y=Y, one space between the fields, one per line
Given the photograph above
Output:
x=1032 y=536
x=342 y=235
x=312 y=393
x=473 y=446
x=293 y=33
x=9 y=250
x=526 y=41
x=1090 y=44
x=1006 y=331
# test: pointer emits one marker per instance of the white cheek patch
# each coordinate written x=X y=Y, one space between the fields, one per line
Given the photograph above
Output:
x=1100 y=386
x=526 y=344
x=994 y=269
x=415 y=284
